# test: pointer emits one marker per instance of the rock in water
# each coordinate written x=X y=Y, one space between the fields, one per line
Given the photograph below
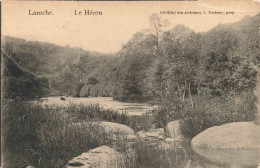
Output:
x=101 y=157
x=174 y=130
x=26 y=166
x=236 y=144
x=116 y=128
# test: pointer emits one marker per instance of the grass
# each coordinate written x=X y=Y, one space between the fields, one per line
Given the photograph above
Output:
x=44 y=136
x=142 y=154
x=93 y=112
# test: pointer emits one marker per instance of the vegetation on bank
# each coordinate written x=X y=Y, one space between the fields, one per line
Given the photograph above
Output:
x=206 y=111
x=44 y=136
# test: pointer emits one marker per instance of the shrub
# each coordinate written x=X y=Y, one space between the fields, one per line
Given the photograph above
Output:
x=211 y=111
x=207 y=111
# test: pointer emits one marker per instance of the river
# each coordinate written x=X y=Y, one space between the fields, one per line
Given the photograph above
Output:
x=105 y=102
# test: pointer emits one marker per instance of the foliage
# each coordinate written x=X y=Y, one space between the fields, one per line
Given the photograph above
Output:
x=207 y=79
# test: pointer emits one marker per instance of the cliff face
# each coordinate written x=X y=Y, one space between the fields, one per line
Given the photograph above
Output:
x=17 y=83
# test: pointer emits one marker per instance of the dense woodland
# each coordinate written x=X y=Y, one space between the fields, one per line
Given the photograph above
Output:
x=186 y=73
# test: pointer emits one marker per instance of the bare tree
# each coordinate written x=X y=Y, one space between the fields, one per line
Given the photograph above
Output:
x=157 y=24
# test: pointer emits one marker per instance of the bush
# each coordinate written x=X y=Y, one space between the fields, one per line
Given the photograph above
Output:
x=207 y=111
x=211 y=111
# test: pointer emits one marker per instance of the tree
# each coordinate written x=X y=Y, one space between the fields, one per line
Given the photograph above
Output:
x=157 y=24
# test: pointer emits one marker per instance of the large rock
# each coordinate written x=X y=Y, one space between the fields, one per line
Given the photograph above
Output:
x=236 y=135
x=173 y=128
x=109 y=127
x=101 y=157
x=235 y=143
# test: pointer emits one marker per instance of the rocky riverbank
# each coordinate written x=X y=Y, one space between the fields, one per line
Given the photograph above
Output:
x=107 y=157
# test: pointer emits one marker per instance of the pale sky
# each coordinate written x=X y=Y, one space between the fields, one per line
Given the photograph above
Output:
x=120 y=20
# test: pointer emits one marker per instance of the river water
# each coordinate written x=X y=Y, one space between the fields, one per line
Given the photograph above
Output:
x=105 y=102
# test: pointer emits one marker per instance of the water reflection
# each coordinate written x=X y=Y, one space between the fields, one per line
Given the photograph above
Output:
x=233 y=158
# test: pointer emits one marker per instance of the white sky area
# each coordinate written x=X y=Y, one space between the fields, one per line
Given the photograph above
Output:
x=120 y=20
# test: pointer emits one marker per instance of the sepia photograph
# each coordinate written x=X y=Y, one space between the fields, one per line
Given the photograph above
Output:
x=123 y=84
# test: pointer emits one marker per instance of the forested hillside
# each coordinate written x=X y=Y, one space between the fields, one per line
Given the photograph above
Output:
x=18 y=83
x=67 y=69
x=156 y=66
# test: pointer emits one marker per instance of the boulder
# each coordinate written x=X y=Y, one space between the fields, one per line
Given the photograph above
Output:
x=234 y=143
x=116 y=128
x=101 y=157
x=154 y=134
x=26 y=166
x=236 y=135
x=109 y=127
x=173 y=129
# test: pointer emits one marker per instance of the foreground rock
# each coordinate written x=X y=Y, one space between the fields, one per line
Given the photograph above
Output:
x=237 y=135
x=173 y=128
x=234 y=143
x=101 y=157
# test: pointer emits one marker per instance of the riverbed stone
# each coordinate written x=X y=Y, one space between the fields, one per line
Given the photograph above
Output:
x=154 y=134
x=173 y=129
x=116 y=128
x=101 y=157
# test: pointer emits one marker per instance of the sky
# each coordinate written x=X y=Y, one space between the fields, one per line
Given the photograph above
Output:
x=119 y=20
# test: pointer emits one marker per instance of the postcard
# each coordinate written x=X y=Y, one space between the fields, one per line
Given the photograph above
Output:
x=130 y=84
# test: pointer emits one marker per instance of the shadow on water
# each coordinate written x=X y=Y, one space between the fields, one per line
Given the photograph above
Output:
x=199 y=161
